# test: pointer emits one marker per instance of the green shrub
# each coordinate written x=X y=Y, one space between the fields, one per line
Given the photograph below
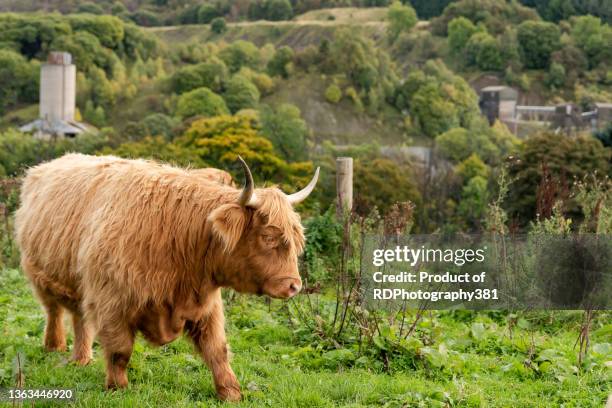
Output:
x=146 y=18
x=240 y=93
x=333 y=93
x=460 y=30
x=401 y=17
x=323 y=240
x=537 y=41
x=218 y=25
x=201 y=102
x=158 y=124
x=240 y=54
x=556 y=76
x=279 y=63
x=287 y=131
x=484 y=51
x=210 y=74
x=381 y=183
x=206 y=13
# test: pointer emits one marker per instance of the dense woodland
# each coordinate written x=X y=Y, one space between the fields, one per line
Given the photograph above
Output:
x=172 y=12
x=200 y=103
x=197 y=83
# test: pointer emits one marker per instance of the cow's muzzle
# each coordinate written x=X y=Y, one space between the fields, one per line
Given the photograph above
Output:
x=283 y=288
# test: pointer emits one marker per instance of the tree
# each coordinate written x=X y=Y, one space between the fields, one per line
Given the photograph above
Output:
x=206 y=13
x=90 y=8
x=17 y=152
x=474 y=201
x=433 y=112
x=460 y=30
x=279 y=63
x=509 y=48
x=217 y=25
x=158 y=124
x=426 y=9
x=593 y=38
x=381 y=183
x=108 y=29
x=286 y=130
x=94 y=114
x=277 y=10
x=240 y=93
x=472 y=167
x=200 y=102
x=85 y=49
x=573 y=61
x=537 y=41
x=484 y=51
x=210 y=74
x=605 y=135
x=102 y=92
x=185 y=79
x=145 y=18
x=563 y=159
x=401 y=18
x=556 y=76
x=559 y=10
x=438 y=100
x=495 y=15
x=19 y=79
x=239 y=54
x=274 y=10
x=220 y=140
x=491 y=144
x=366 y=66
x=454 y=144
x=261 y=80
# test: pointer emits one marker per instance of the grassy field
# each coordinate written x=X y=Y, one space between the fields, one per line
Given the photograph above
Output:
x=489 y=367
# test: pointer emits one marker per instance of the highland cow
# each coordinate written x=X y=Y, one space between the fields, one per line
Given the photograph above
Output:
x=133 y=245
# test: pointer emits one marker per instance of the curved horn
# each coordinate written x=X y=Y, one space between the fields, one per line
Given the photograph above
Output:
x=247 y=197
x=301 y=195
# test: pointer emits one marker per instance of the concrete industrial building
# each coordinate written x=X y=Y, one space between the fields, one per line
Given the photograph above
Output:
x=57 y=100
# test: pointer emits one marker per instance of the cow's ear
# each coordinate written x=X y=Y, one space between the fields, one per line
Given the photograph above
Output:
x=227 y=224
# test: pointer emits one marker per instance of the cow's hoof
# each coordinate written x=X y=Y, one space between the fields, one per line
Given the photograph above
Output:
x=112 y=384
x=55 y=347
x=81 y=361
x=231 y=393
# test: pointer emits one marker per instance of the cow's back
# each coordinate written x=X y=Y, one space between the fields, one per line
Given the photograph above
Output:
x=56 y=206
x=127 y=226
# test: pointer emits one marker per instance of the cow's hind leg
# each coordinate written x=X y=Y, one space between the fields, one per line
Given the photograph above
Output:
x=117 y=340
x=55 y=336
x=83 y=339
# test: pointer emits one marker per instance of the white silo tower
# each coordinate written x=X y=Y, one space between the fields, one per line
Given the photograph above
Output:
x=58 y=88
x=57 y=100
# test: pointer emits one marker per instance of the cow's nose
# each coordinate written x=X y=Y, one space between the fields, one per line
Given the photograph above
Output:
x=294 y=288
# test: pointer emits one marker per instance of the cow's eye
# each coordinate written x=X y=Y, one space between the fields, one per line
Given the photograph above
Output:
x=270 y=241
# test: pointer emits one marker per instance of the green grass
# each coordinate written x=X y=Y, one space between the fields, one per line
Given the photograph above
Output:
x=267 y=360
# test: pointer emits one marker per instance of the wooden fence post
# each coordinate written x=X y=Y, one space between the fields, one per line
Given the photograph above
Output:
x=344 y=185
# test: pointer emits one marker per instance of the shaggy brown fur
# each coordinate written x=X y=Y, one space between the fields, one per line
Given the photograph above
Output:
x=128 y=245
x=219 y=176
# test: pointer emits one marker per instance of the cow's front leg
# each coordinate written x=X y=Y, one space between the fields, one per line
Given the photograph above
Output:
x=117 y=340
x=208 y=336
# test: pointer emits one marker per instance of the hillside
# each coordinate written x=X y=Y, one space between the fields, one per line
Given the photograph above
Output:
x=307 y=29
